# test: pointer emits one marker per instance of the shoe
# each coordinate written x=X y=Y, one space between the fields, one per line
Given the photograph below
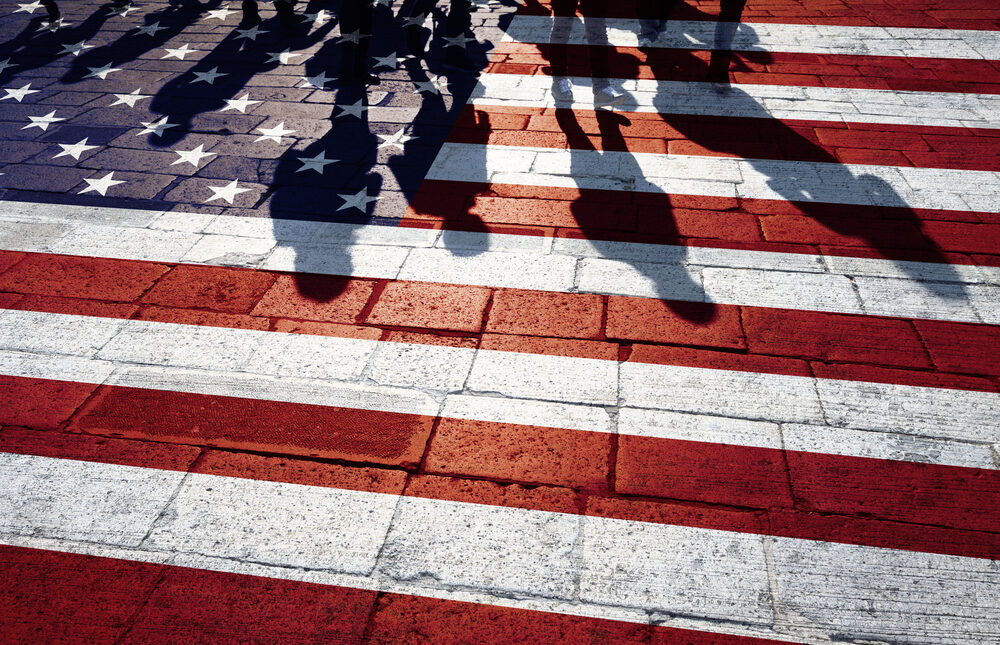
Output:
x=646 y=39
x=608 y=97
x=562 y=91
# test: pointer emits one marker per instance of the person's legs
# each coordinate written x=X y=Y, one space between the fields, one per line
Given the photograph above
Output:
x=725 y=30
x=562 y=89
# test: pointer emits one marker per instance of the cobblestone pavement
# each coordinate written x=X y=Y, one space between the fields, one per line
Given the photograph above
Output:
x=607 y=329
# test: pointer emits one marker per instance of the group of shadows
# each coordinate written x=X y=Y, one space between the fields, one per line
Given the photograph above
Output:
x=373 y=31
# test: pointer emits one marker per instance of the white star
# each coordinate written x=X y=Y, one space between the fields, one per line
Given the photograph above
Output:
x=227 y=192
x=241 y=104
x=156 y=127
x=251 y=33
x=150 y=29
x=320 y=80
x=383 y=3
x=102 y=72
x=54 y=26
x=28 y=8
x=193 y=156
x=458 y=41
x=74 y=150
x=273 y=134
x=352 y=36
x=179 y=52
x=221 y=14
x=101 y=185
x=209 y=76
x=5 y=63
x=282 y=57
x=317 y=163
x=43 y=122
x=359 y=201
x=416 y=21
x=19 y=94
x=122 y=10
x=319 y=18
x=355 y=109
x=432 y=86
x=129 y=99
x=396 y=140
x=76 y=48
x=389 y=60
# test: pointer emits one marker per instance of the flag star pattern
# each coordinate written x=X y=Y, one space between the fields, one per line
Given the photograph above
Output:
x=591 y=322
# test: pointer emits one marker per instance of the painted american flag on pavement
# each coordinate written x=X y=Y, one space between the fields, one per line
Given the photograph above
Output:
x=615 y=328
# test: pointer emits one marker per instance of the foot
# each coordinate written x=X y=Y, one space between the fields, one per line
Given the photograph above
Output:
x=562 y=91
x=718 y=70
x=647 y=38
x=608 y=97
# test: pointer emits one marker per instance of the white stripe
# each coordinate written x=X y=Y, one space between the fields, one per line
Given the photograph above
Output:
x=744 y=582
x=836 y=104
x=802 y=181
x=507 y=387
x=768 y=37
x=798 y=281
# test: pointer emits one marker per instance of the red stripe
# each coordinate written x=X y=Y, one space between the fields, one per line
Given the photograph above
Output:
x=696 y=484
x=894 y=233
x=755 y=339
x=965 y=14
x=724 y=136
x=899 y=73
x=50 y=596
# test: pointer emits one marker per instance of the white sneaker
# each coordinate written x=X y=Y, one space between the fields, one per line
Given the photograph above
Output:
x=608 y=97
x=562 y=91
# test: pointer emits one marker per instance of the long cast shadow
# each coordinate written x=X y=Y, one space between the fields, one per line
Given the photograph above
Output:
x=353 y=139
x=816 y=189
x=174 y=18
x=36 y=46
x=180 y=101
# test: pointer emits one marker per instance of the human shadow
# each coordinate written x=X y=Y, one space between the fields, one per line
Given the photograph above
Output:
x=36 y=46
x=331 y=179
x=131 y=45
x=818 y=185
x=666 y=269
x=446 y=70
x=231 y=65
x=610 y=178
x=373 y=179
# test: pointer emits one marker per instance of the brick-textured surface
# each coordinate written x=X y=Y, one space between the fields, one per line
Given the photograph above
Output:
x=613 y=371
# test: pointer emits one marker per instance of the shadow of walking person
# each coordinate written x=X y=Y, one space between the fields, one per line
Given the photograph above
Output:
x=330 y=180
x=613 y=167
x=36 y=45
x=131 y=45
x=226 y=70
x=679 y=289
x=448 y=54
x=862 y=203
